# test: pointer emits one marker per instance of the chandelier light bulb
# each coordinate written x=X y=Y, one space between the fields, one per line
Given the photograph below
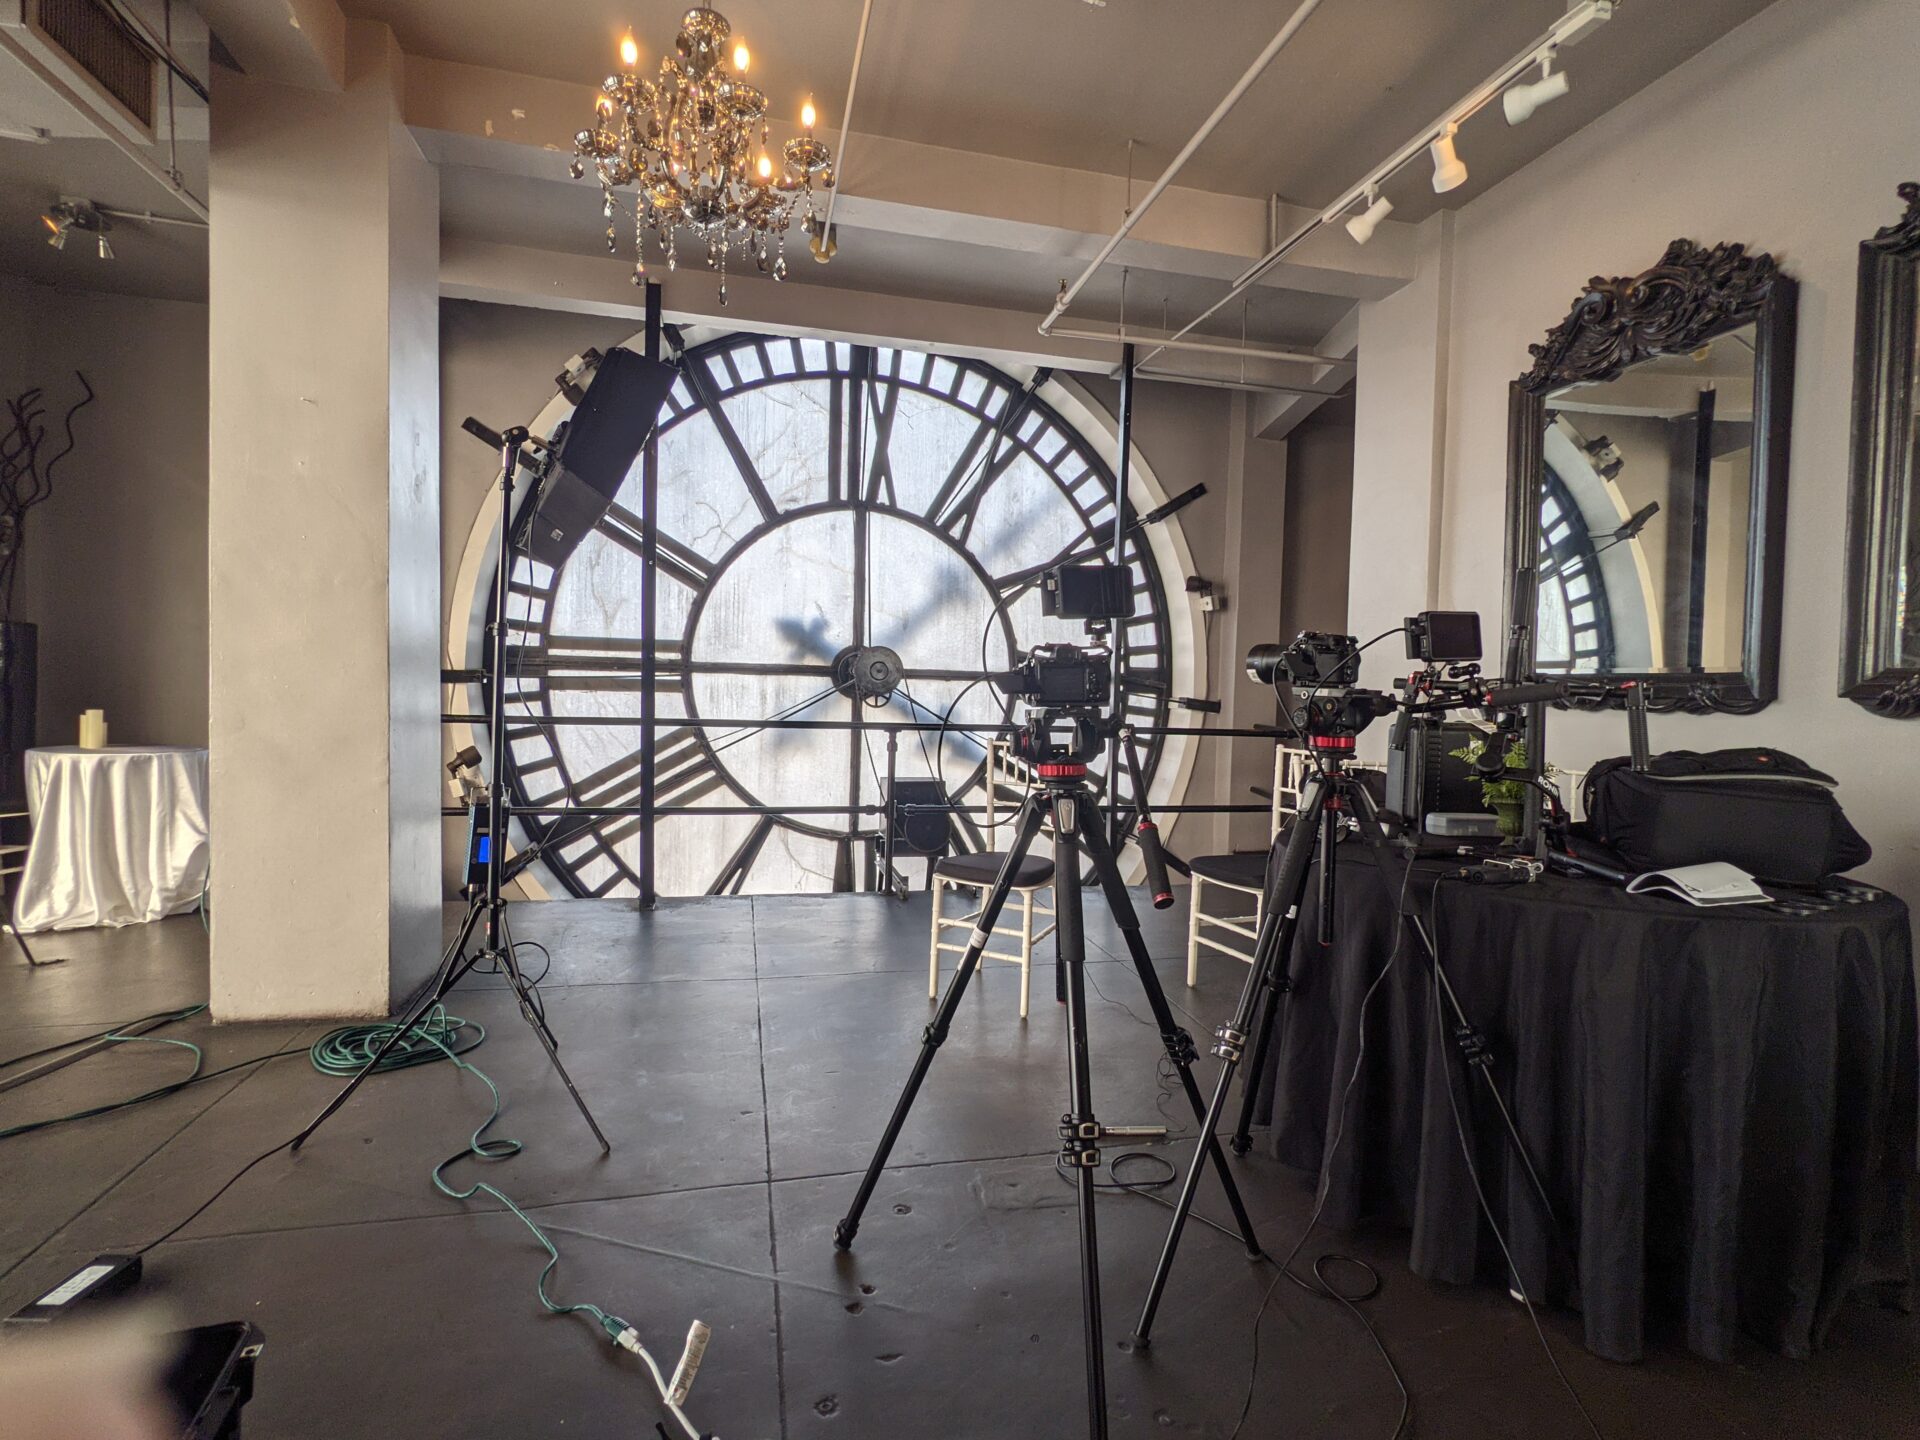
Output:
x=1522 y=100
x=1449 y=171
x=1362 y=226
x=692 y=140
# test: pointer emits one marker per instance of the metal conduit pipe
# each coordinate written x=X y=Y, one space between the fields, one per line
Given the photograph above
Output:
x=1207 y=127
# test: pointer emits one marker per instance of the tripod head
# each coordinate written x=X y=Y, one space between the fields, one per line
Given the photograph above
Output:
x=1334 y=710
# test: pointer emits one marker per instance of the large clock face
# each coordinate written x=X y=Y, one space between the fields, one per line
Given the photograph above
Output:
x=814 y=498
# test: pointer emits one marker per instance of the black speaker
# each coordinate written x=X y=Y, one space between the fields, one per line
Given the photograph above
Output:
x=921 y=822
x=596 y=448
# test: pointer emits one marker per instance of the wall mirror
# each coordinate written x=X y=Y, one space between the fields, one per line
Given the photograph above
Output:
x=1646 y=489
x=1880 y=667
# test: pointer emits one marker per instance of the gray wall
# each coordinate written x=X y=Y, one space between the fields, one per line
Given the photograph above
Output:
x=1788 y=135
x=115 y=566
x=1313 y=569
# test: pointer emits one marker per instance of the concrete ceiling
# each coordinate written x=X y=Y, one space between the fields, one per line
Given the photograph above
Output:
x=1068 y=83
x=561 y=216
x=987 y=136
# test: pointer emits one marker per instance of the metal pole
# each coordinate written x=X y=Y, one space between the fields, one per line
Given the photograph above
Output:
x=649 y=623
x=1207 y=127
x=1121 y=475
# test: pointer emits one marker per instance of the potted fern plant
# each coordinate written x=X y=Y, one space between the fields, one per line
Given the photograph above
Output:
x=1506 y=797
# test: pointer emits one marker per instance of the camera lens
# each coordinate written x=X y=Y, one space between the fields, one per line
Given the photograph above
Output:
x=1263 y=662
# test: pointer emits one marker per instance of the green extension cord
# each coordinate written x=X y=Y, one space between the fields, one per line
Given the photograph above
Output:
x=113 y=1034
x=436 y=1030
x=437 y=1036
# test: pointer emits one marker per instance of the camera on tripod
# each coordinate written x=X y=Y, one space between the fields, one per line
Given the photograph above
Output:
x=1334 y=710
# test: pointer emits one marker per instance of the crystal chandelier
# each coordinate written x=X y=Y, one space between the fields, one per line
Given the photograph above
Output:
x=693 y=143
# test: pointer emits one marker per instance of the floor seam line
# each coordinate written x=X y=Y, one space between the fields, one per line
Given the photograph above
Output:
x=766 y=1132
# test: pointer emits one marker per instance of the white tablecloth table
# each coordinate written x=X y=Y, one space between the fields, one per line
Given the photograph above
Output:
x=119 y=835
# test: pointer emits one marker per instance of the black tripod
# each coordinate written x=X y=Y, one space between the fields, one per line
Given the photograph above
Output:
x=488 y=904
x=1064 y=797
x=1332 y=793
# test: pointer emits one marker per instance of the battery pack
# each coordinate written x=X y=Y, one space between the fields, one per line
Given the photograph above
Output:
x=100 y=1277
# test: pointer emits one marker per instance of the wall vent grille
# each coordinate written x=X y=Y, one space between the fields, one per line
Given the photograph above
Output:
x=96 y=41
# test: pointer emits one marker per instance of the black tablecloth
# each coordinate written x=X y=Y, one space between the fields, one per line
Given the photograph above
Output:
x=1721 y=1103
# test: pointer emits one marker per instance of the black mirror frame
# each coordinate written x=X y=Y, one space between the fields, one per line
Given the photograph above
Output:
x=1883 y=377
x=1692 y=295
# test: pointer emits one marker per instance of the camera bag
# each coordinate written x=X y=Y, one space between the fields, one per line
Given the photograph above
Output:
x=1766 y=811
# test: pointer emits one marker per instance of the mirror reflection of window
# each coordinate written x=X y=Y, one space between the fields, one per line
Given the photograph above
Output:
x=1646 y=510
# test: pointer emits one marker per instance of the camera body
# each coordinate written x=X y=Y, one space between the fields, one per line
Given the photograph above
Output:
x=1314 y=658
x=1060 y=676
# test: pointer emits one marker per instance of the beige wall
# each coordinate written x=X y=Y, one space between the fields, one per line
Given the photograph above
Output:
x=115 y=563
x=1788 y=135
x=323 y=514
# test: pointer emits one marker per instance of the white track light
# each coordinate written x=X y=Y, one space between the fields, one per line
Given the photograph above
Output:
x=1449 y=172
x=1362 y=226
x=1523 y=99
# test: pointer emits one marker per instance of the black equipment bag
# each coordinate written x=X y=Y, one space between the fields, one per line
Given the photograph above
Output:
x=1766 y=811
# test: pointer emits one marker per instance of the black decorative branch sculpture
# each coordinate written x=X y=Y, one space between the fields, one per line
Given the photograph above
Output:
x=26 y=475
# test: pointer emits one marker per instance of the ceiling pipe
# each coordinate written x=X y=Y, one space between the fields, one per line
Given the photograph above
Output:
x=1216 y=382
x=1207 y=127
x=1579 y=22
x=1123 y=336
x=846 y=120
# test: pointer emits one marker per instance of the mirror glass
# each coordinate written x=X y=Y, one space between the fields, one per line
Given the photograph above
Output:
x=1646 y=509
x=1899 y=641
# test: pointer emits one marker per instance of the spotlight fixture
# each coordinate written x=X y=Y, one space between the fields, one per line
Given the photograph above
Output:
x=1520 y=101
x=1362 y=226
x=1449 y=171
x=68 y=215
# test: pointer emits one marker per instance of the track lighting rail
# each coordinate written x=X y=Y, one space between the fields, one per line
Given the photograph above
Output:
x=1579 y=22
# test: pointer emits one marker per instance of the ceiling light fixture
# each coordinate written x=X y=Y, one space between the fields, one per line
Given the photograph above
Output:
x=693 y=141
x=1523 y=99
x=1449 y=170
x=67 y=215
x=1362 y=226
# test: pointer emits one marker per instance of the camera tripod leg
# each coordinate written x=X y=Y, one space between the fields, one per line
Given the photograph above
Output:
x=1079 y=1130
x=1026 y=826
x=1271 y=948
x=453 y=964
x=1472 y=1043
x=1178 y=1042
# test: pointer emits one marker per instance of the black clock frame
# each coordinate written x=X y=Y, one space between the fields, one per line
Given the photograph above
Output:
x=676 y=765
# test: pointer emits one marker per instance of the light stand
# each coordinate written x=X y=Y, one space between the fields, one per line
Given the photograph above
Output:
x=489 y=905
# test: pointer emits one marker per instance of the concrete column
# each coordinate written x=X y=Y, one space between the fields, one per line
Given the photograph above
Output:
x=323 y=543
x=1399 y=455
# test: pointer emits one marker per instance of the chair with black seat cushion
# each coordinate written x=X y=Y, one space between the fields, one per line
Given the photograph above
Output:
x=977 y=873
x=1242 y=875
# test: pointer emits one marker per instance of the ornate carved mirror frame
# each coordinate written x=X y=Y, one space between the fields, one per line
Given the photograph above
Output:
x=1691 y=296
x=1886 y=479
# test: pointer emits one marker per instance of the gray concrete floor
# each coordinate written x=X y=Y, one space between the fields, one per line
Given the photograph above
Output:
x=742 y=1056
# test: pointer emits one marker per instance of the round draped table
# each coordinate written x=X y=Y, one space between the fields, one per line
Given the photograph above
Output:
x=1721 y=1102
x=119 y=835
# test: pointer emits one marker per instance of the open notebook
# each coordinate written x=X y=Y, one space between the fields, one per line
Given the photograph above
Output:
x=1715 y=883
